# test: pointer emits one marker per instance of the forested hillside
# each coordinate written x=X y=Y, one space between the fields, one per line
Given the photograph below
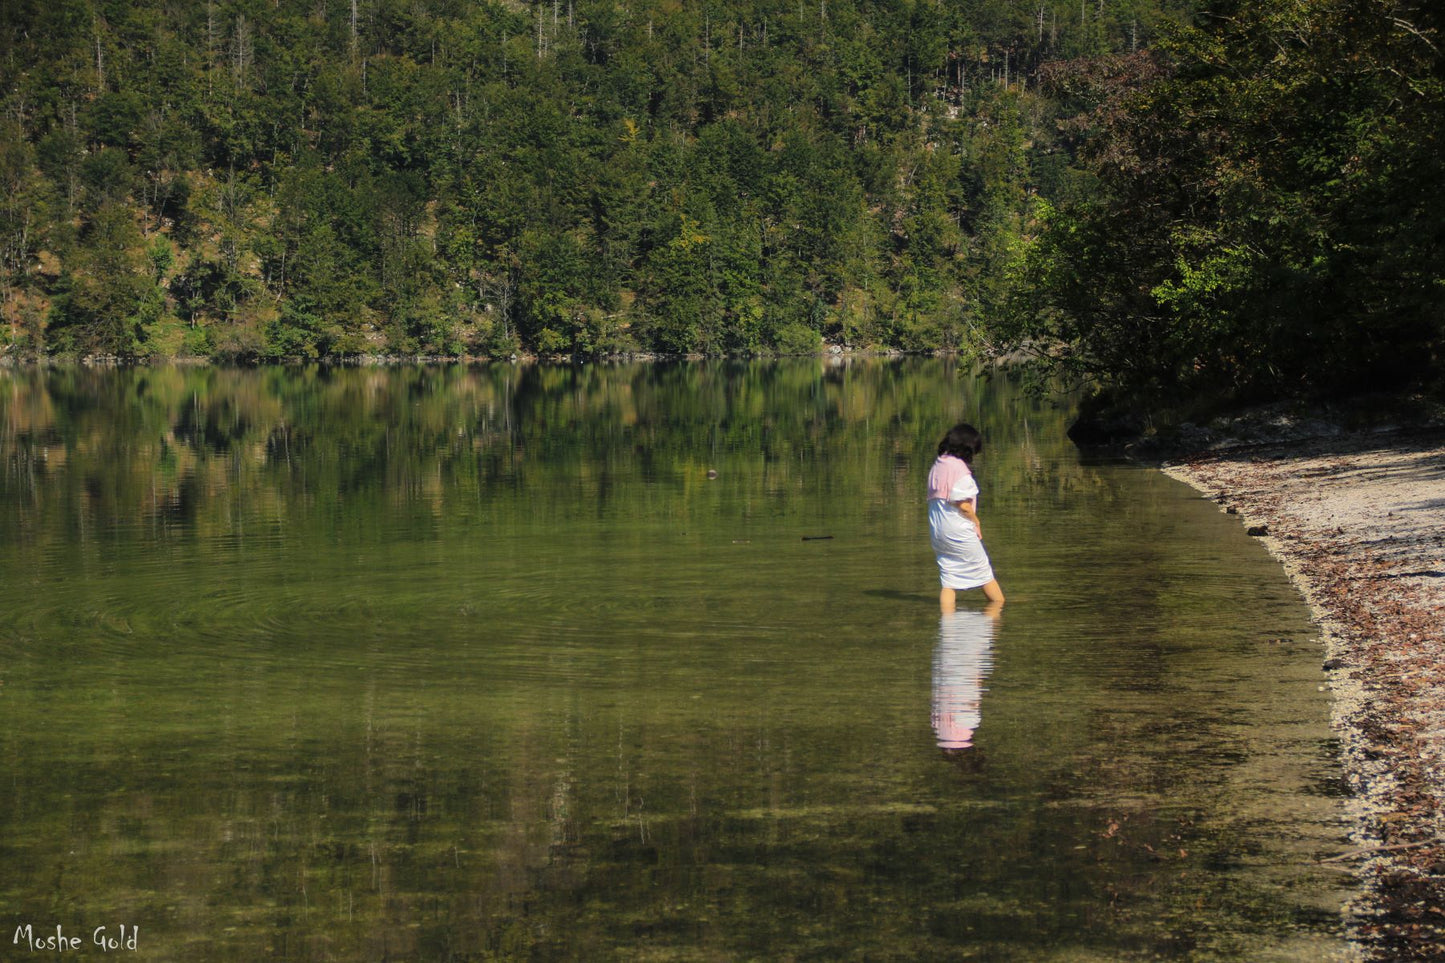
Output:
x=264 y=179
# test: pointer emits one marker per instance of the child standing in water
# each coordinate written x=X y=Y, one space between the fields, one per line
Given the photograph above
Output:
x=953 y=526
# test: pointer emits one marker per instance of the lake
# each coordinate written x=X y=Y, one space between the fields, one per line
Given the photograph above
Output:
x=636 y=662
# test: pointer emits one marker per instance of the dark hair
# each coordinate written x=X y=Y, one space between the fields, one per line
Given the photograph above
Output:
x=962 y=441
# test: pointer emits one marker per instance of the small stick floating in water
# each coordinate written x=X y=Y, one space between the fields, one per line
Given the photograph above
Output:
x=816 y=538
x=1372 y=850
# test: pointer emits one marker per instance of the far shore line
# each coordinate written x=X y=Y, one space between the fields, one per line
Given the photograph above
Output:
x=828 y=352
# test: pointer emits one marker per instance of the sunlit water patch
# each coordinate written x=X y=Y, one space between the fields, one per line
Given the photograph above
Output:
x=635 y=662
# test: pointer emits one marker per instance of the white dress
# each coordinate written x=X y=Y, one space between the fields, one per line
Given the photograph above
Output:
x=962 y=562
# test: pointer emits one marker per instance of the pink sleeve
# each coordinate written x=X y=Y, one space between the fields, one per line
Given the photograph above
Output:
x=945 y=474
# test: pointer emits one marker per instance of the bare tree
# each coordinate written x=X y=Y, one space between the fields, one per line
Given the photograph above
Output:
x=242 y=50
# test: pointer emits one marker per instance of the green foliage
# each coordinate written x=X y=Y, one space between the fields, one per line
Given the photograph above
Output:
x=108 y=298
x=455 y=176
x=1266 y=222
x=796 y=338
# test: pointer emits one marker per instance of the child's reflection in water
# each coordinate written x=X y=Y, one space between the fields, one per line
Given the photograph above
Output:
x=961 y=662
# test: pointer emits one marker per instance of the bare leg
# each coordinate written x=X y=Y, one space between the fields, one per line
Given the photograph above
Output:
x=946 y=600
x=992 y=591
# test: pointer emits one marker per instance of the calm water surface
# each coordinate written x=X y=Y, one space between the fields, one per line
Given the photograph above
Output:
x=480 y=663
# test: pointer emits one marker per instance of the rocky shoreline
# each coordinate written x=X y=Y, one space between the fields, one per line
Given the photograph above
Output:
x=1357 y=517
x=827 y=351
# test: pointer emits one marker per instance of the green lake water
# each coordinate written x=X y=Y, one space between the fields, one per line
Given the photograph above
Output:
x=478 y=663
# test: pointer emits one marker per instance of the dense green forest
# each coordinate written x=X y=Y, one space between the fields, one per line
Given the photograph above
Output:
x=1213 y=197
x=265 y=179
x=1265 y=215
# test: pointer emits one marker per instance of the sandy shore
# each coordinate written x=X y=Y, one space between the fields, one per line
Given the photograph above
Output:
x=1358 y=520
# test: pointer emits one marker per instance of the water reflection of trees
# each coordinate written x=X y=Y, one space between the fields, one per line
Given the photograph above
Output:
x=201 y=450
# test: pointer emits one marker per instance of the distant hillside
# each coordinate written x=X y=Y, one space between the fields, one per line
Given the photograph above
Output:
x=261 y=179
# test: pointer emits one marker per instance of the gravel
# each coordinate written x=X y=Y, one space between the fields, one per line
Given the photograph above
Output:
x=1358 y=520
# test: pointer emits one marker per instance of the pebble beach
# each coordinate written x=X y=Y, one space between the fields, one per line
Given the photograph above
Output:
x=1357 y=518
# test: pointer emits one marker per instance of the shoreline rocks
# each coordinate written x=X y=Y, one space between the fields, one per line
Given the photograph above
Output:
x=1357 y=518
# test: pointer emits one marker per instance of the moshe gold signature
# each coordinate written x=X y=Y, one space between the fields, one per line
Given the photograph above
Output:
x=59 y=941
